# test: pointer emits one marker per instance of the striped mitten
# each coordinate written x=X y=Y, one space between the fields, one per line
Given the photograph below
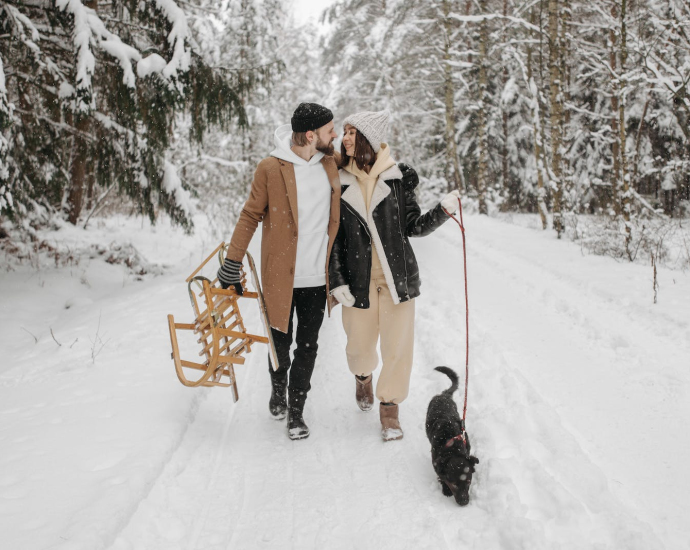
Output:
x=229 y=274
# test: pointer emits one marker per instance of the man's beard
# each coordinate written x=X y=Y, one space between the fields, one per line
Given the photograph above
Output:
x=322 y=147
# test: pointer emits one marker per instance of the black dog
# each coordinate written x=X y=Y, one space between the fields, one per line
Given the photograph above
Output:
x=450 y=445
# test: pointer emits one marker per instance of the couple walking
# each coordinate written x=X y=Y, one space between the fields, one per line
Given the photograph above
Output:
x=335 y=230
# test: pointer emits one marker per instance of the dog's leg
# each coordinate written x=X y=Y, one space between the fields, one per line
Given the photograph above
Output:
x=446 y=490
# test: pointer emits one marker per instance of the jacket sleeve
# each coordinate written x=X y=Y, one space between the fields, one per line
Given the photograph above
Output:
x=252 y=214
x=416 y=223
x=337 y=274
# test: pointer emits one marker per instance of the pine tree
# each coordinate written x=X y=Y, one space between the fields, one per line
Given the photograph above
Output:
x=256 y=44
x=94 y=112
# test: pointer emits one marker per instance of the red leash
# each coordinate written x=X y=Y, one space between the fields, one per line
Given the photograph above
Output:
x=461 y=224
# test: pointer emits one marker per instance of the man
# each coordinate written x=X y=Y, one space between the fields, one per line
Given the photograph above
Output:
x=296 y=194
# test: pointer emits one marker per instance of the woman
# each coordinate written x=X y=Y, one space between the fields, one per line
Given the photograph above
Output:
x=373 y=271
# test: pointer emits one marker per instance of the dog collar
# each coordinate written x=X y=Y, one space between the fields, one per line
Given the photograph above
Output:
x=459 y=437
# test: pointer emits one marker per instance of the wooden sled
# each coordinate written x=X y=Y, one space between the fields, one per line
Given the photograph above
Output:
x=219 y=327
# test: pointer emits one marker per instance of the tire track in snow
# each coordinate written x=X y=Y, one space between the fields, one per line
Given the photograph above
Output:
x=111 y=528
x=217 y=463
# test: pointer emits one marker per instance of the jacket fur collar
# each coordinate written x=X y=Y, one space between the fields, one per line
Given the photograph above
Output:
x=353 y=195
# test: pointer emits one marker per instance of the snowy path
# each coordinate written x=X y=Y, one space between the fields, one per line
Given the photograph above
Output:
x=343 y=488
x=578 y=413
x=586 y=337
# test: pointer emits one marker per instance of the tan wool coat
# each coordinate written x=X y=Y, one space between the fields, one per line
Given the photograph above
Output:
x=273 y=201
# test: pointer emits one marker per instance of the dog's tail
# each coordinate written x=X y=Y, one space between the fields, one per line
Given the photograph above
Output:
x=450 y=373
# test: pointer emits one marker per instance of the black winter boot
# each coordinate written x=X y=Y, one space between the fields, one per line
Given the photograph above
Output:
x=297 y=429
x=277 y=405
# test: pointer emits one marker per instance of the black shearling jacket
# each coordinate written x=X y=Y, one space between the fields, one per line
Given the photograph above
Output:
x=396 y=216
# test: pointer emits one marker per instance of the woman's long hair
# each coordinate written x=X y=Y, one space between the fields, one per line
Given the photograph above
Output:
x=365 y=156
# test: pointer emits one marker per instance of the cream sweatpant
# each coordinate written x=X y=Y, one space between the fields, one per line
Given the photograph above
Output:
x=395 y=325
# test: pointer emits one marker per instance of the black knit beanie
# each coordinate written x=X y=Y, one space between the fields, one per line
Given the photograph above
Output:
x=310 y=116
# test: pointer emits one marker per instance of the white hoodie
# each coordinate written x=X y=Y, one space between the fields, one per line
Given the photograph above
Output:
x=313 y=211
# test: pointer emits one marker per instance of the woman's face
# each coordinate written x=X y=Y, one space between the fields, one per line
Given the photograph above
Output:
x=349 y=140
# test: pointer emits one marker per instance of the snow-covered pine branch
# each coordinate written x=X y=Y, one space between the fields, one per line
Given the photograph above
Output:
x=84 y=70
x=88 y=30
x=178 y=39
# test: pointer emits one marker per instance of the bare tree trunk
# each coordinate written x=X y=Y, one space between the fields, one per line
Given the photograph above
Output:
x=564 y=51
x=482 y=130
x=504 y=115
x=78 y=168
x=625 y=178
x=90 y=185
x=537 y=128
x=556 y=117
x=638 y=139
x=615 y=94
x=452 y=165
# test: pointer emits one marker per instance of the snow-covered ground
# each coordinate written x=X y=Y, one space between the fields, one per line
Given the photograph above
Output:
x=578 y=410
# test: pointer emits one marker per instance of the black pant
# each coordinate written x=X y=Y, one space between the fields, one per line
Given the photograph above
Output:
x=310 y=305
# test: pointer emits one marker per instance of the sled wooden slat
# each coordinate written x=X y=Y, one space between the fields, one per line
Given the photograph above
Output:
x=218 y=327
x=223 y=321
x=211 y=255
x=234 y=334
x=232 y=359
x=231 y=292
x=190 y=365
x=205 y=322
x=232 y=339
x=227 y=345
x=221 y=349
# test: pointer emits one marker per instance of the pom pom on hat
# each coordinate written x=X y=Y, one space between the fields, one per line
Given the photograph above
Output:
x=373 y=125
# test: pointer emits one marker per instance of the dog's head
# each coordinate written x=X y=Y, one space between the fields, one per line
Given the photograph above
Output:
x=455 y=469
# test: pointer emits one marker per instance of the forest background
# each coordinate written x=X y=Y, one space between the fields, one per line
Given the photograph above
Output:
x=577 y=112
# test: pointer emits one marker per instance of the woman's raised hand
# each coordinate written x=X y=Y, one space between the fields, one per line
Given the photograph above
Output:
x=450 y=201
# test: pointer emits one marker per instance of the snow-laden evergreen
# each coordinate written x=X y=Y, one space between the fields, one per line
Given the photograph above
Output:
x=95 y=91
x=258 y=46
x=473 y=87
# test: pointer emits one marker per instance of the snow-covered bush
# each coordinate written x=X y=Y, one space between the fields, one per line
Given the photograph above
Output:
x=665 y=239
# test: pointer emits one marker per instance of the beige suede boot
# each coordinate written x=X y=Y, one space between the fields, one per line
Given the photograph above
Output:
x=390 y=426
x=364 y=393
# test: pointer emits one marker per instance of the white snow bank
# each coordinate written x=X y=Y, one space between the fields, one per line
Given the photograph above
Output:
x=78 y=362
x=578 y=411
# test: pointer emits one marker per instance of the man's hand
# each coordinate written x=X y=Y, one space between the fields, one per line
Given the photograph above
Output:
x=343 y=295
x=229 y=274
x=450 y=201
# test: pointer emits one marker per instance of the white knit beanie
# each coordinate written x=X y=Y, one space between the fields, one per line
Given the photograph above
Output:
x=373 y=125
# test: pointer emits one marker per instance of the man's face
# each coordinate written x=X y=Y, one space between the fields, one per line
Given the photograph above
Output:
x=324 y=138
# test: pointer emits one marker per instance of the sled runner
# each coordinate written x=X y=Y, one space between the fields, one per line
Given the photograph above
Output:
x=219 y=327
